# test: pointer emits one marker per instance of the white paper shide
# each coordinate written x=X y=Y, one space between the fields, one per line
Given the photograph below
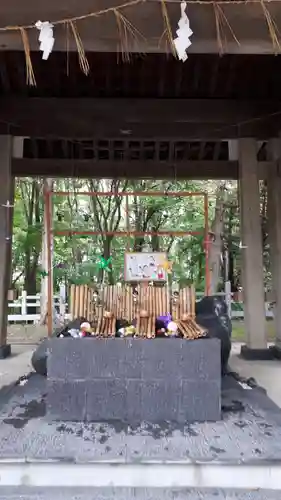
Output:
x=46 y=38
x=182 y=41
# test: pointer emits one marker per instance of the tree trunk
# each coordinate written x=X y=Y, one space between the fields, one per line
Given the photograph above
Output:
x=48 y=185
x=155 y=243
x=106 y=254
x=31 y=196
x=139 y=240
x=215 y=248
x=30 y=282
x=200 y=268
x=30 y=276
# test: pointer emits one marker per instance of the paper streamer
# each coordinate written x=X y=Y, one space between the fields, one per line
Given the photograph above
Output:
x=182 y=41
x=46 y=38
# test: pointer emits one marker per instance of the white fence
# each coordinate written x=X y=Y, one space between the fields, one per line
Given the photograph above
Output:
x=18 y=309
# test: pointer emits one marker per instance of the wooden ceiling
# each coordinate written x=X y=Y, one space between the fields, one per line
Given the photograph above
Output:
x=247 y=90
x=203 y=76
x=126 y=149
x=175 y=125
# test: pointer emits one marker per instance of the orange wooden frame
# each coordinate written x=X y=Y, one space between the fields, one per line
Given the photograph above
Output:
x=50 y=231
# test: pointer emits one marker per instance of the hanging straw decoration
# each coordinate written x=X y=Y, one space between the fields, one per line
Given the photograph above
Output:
x=272 y=28
x=127 y=31
x=218 y=28
x=168 y=29
x=222 y=23
x=30 y=78
x=67 y=47
x=163 y=41
x=83 y=61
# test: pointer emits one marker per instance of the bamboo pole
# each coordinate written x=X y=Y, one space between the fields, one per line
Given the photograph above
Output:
x=89 y=305
x=192 y=301
x=81 y=309
x=72 y=299
x=76 y=302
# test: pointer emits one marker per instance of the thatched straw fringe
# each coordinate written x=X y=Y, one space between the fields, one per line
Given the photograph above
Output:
x=272 y=28
x=221 y=23
x=227 y=24
x=83 y=61
x=123 y=38
x=168 y=29
x=67 y=47
x=30 y=78
x=218 y=28
x=126 y=32
x=163 y=42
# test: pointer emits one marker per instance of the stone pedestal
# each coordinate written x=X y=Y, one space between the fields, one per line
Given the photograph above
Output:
x=134 y=380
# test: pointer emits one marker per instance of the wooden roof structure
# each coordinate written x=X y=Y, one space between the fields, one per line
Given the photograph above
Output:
x=153 y=116
x=244 y=25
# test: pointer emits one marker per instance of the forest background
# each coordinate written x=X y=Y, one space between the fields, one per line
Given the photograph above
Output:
x=76 y=258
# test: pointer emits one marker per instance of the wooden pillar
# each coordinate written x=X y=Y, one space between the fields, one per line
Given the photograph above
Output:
x=252 y=256
x=6 y=232
x=274 y=230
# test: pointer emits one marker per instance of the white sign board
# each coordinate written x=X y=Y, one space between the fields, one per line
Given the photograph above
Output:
x=145 y=266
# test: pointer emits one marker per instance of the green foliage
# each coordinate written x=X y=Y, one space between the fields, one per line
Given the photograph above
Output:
x=76 y=258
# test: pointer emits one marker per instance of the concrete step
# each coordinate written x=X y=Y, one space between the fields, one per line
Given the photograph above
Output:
x=27 y=493
x=142 y=474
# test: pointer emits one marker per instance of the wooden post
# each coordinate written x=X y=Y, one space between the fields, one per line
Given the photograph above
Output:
x=6 y=232
x=62 y=300
x=227 y=291
x=127 y=224
x=274 y=231
x=206 y=237
x=23 y=303
x=252 y=257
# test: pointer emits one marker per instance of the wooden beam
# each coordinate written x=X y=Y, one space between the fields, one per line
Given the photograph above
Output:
x=83 y=117
x=131 y=169
x=125 y=169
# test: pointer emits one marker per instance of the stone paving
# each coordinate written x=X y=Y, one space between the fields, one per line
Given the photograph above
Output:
x=266 y=373
x=250 y=431
x=15 y=366
x=26 y=334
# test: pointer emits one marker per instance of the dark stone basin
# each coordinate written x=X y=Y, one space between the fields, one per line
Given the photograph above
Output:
x=134 y=380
